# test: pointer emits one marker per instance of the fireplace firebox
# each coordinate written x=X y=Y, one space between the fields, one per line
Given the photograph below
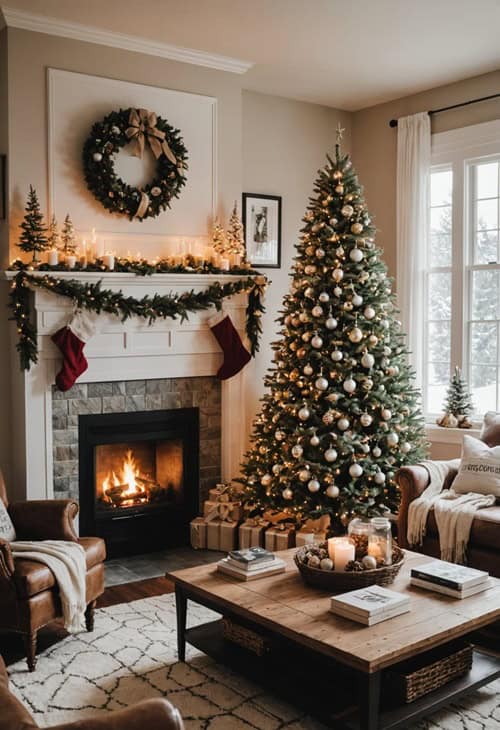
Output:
x=139 y=478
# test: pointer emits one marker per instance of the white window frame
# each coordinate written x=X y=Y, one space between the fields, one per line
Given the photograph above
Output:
x=458 y=149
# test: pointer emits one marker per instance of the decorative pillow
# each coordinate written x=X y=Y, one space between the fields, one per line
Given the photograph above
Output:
x=479 y=469
x=7 y=531
x=490 y=431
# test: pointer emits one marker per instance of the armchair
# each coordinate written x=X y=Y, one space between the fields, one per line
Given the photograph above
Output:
x=28 y=592
x=157 y=713
x=483 y=551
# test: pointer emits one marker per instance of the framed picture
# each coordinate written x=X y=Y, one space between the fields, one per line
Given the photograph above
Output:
x=262 y=222
x=3 y=187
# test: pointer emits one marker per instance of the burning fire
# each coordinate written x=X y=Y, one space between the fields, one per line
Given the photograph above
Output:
x=128 y=483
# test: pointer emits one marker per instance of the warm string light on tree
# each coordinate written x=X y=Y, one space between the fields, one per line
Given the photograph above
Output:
x=341 y=413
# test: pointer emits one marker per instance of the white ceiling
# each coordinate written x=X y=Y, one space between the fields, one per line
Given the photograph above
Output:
x=349 y=55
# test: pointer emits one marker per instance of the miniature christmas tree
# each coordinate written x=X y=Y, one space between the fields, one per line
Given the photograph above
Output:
x=53 y=237
x=33 y=238
x=458 y=404
x=68 y=236
x=219 y=238
x=235 y=237
x=341 y=414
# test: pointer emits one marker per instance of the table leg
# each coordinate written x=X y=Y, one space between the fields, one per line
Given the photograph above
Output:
x=181 y=610
x=369 y=700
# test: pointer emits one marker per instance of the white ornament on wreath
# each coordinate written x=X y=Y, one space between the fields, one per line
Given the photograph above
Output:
x=355 y=470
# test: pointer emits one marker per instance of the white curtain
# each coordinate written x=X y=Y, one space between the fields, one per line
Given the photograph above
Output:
x=413 y=168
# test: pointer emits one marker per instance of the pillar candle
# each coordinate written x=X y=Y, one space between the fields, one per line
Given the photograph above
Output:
x=224 y=264
x=70 y=261
x=341 y=550
x=109 y=261
x=53 y=259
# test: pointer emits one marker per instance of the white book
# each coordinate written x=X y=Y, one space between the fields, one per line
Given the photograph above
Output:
x=438 y=588
x=451 y=575
x=371 y=601
x=371 y=620
x=278 y=566
x=251 y=567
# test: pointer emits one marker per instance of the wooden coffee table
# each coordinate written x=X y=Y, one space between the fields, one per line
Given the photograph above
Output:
x=317 y=650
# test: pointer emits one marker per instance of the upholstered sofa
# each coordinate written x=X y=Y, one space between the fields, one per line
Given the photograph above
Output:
x=29 y=596
x=483 y=550
x=155 y=714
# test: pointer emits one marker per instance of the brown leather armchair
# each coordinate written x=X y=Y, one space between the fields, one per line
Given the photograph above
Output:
x=157 y=714
x=483 y=550
x=29 y=597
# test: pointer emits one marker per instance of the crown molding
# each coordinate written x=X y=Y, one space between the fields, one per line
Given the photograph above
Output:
x=90 y=34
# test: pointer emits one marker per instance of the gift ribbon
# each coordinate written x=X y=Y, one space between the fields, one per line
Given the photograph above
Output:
x=143 y=127
x=221 y=511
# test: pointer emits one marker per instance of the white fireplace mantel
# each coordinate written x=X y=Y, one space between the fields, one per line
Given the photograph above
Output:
x=130 y=350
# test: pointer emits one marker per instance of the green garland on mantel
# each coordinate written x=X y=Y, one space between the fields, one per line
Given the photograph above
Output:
x=167 y=306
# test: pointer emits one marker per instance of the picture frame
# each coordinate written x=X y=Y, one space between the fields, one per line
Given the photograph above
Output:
x=3 y=187
x=261 y=216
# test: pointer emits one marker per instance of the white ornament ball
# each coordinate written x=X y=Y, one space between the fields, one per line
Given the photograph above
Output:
x=314 y=440
x=307 y=370
x=287 y=493
x=355 y=335
x=406 y=447
x=366 y=420
x=369 y=562
x=349 y=385
x=369 y=312
x=356 y=228
x=276 y=469
x=309 y=292
x=326 y=564
x=313 y=486
x=365 y=448
x=279 y=435
x=337 y=291
x=97 y=157
x=266 y=480
x=297 y=451
x=379 y=477
x=337 y=356
x=355 y=470
x=356 y=255
x=321 y=383
x=317 y=342
x=376 y=451
x=386 y=414
x=392 y=438
x=337 y=275
x=373 y=339
x=357 y=300
x=332 y=491
x=320 y=253
x=317 y=311
x=304 y=413
x=330 y=455
x=343 y=424
x=304 y=475
x=347 y=211
x=367 y=361
x=324 y=297
x=331 y=323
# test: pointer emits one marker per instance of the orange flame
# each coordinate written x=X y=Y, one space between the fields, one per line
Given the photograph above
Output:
x=128 y=475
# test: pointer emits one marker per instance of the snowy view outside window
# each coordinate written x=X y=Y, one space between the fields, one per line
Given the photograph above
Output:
x=465 y=332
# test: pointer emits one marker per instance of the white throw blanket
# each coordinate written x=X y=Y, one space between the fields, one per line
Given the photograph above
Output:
x=66 y=560
x=454 y=513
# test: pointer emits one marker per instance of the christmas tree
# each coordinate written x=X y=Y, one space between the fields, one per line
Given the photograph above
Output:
x=68 y=236
x=341 y=414
x=218 y=238
x=458 y=404
x=53 y=237
x=33 y=238
x=235 y=238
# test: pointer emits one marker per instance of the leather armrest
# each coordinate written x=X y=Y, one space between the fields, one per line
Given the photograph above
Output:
x=412 y=481
x=6 y=561
x=42 y=519
x=158 y=714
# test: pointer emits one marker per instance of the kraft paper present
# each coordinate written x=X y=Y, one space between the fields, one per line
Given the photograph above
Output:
x=279 y=539
x=252 y=533
x=229 y=510
x=198 y=531
x=222 y=535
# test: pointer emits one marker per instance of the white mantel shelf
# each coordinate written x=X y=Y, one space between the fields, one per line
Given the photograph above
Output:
x=130 y=350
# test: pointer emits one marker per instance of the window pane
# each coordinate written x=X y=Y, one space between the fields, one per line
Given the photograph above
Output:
x=486 y=247
x=483 y=388
x=484 y=294
x=438 y=375
x=487 y=180
x=441 y=186
x=439 y=296
x=441 y=236
x=484 y=343
x=439 y=341
x=486 y=215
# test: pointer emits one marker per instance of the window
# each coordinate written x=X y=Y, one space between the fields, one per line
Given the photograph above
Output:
x=462 y=277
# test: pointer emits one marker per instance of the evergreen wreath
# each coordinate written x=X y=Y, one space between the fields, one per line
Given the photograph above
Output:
x=142 y=128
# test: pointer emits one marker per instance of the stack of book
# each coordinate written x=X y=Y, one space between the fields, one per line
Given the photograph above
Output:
x=370 y=605
x=458 y=581
x=251 y=564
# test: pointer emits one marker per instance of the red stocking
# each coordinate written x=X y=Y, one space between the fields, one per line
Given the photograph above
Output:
x=235 y=355
x=71 y=341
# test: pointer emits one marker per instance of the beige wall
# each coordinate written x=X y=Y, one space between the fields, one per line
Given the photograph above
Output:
x=374 y=143
x=284 y=144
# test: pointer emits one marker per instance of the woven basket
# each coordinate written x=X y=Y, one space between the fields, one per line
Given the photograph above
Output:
x=417 y=677
x=246 y=638
x=329 y=580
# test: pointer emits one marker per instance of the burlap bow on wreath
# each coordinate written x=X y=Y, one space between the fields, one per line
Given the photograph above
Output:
x=143 y=127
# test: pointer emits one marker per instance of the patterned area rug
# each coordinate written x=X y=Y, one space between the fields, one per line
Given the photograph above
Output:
x=131 y=655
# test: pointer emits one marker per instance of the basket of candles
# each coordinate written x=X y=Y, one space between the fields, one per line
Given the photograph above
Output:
x=344 y=564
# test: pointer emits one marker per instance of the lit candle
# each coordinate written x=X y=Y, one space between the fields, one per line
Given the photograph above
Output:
x=109 y=261
x=71 y=261
x=83 y=257
x=341 y=550
x=224 y=264
x=236 y=259
x=53 y=259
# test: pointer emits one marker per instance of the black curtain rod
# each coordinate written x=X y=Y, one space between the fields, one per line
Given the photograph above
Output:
x=394 y=122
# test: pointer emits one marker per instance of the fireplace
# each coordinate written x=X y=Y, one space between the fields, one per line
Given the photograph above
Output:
x=139 y=478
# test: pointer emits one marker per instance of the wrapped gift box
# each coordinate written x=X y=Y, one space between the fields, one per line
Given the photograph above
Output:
x=222 y=535
x=280 y=538
x=252 y=532
x=226 y=510
x=198 y=530
x=224 y=493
